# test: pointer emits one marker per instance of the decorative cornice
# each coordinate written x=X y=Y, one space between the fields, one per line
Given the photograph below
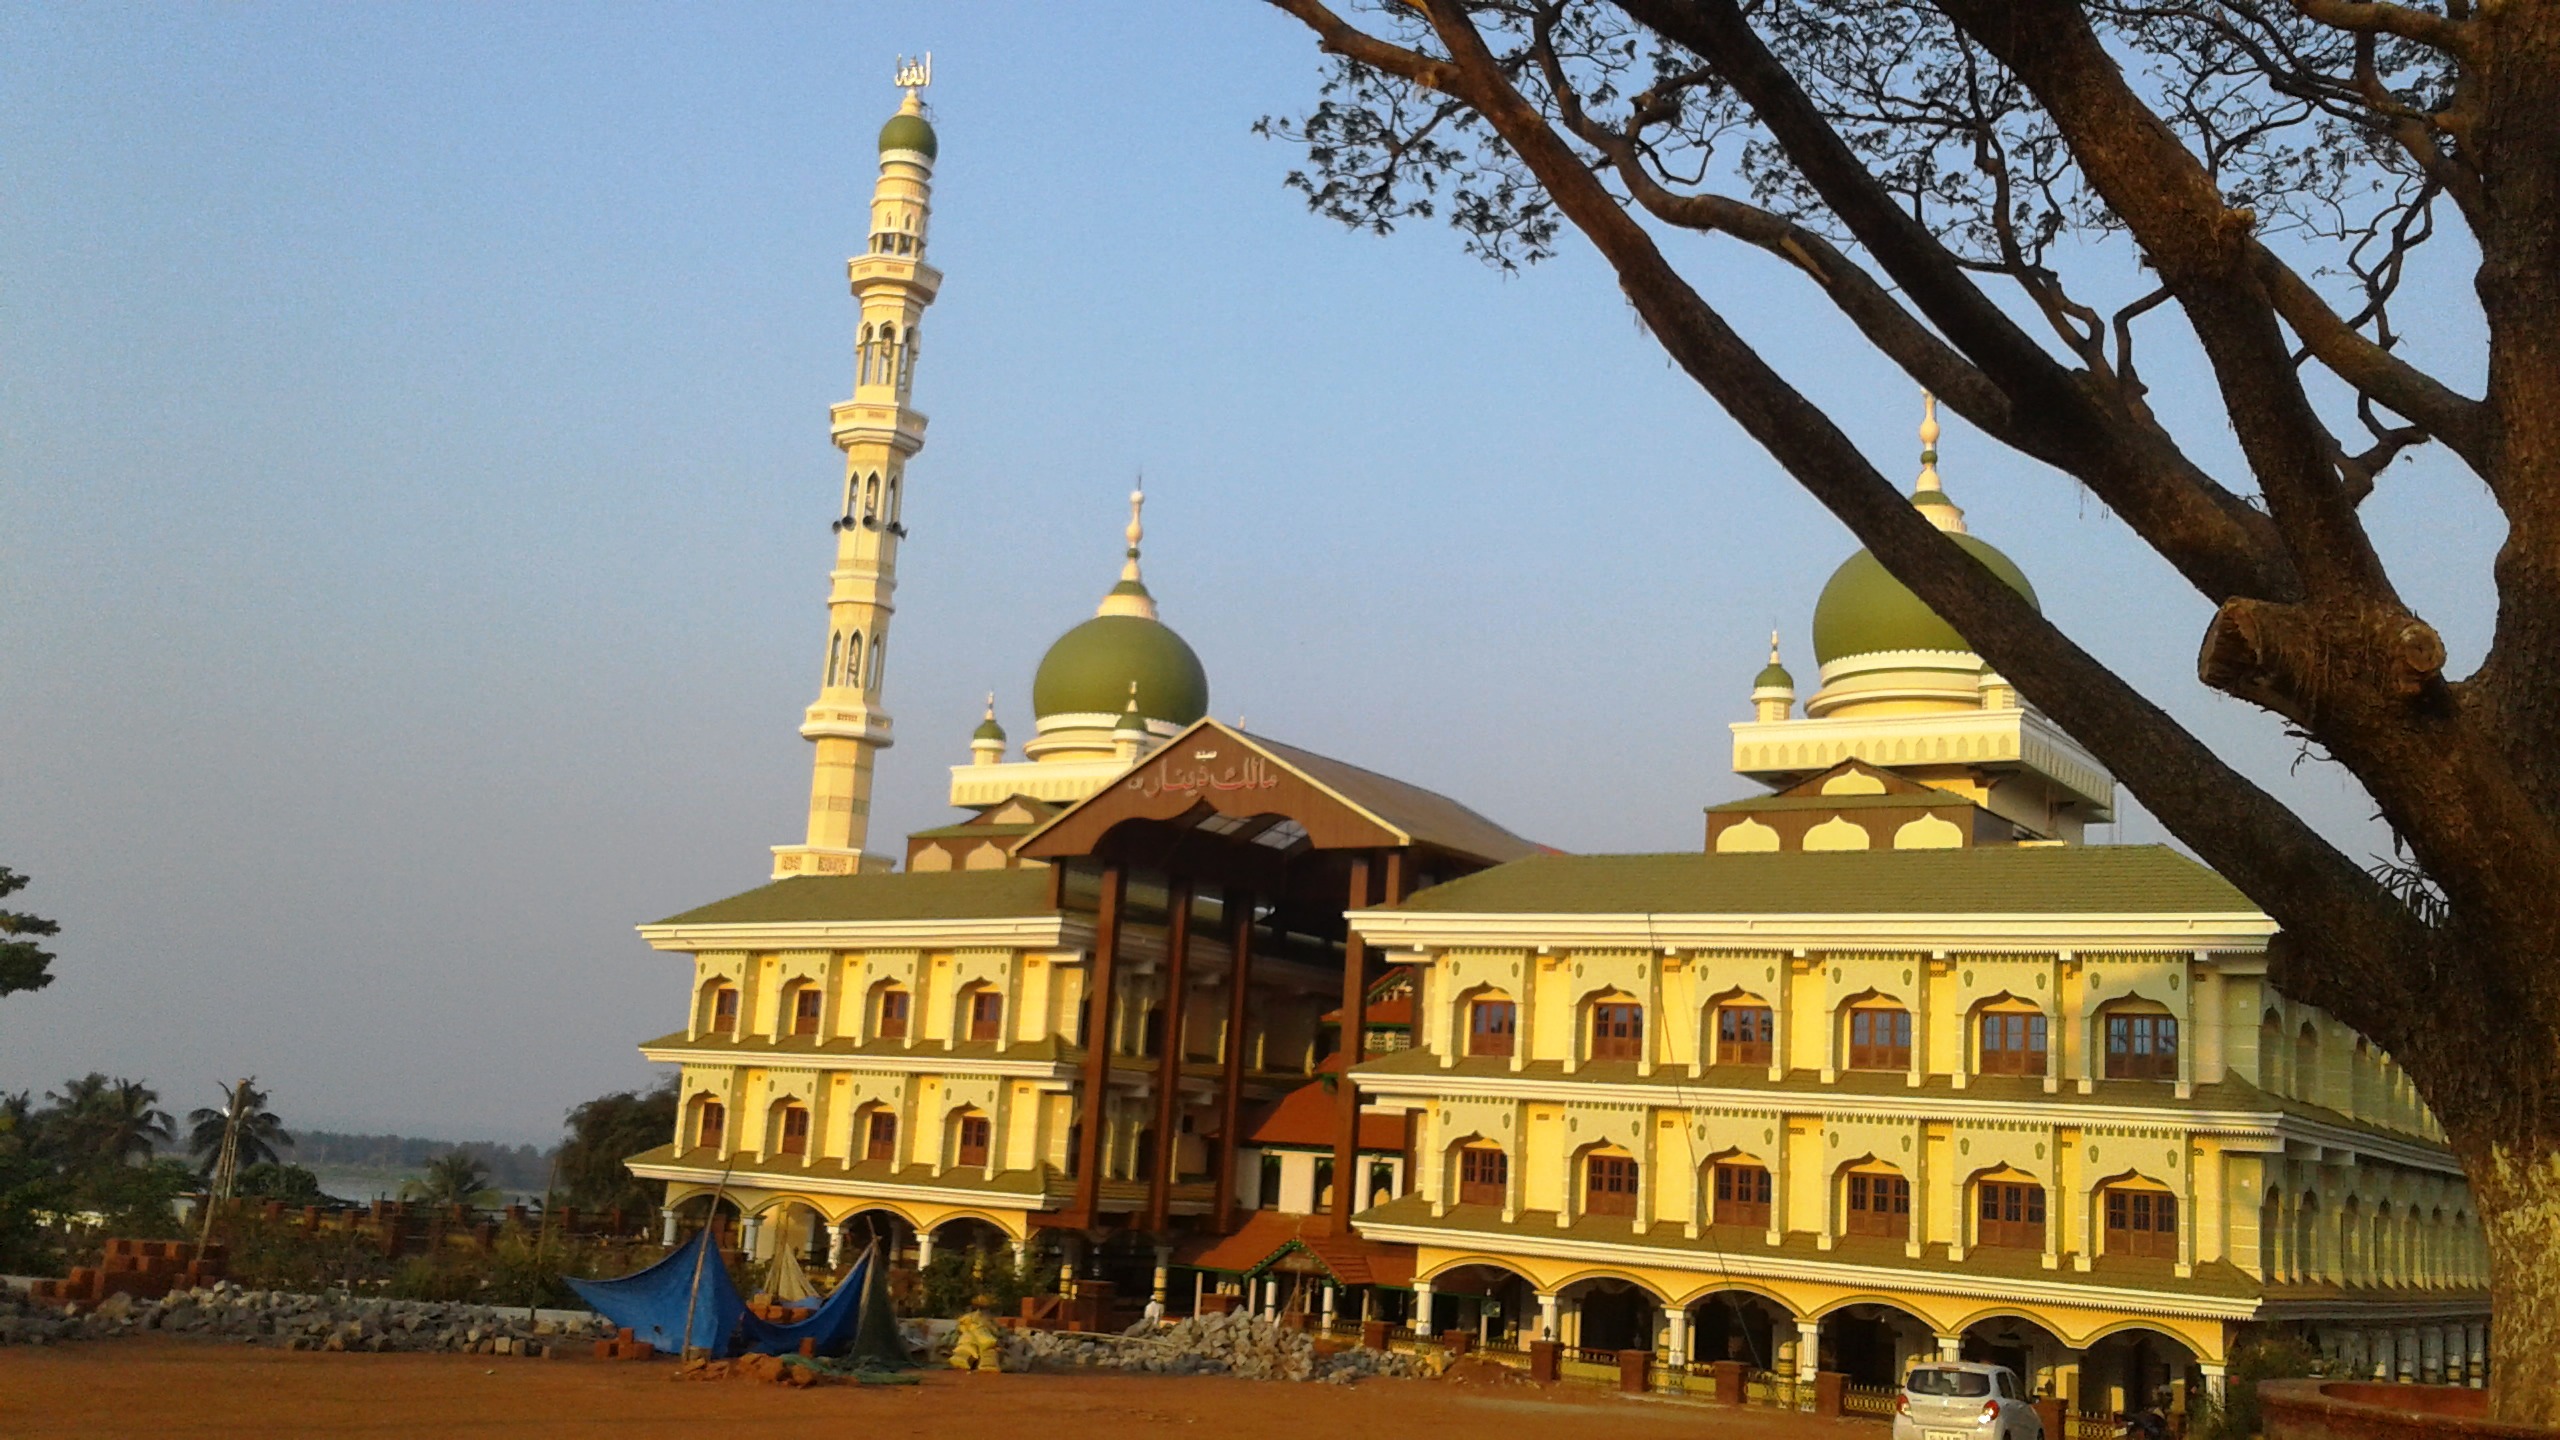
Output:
x=1016 y=932
x=2029 y=933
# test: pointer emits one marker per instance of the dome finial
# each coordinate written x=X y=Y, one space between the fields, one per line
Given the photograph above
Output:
x=1930 y=495
x=1773 y=658
x=986 y=743
x=1130 y=596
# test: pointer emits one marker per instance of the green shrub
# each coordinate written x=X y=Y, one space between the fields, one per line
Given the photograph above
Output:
x=2262 y=1357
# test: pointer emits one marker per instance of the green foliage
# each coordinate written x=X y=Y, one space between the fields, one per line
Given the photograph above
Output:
x=603 y=1133
x=23 y=964
x=133 y=1201
x=262 y=1139
x=435 y=1277
x=2262 y=1357
x=278 y=1255
x=270 y=1181
x=457 y=1177
x=96 y=1123
x=30 y=1192
x=956 y=1277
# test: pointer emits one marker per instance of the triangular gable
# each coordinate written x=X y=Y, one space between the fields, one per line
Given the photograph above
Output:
x=1216 y=771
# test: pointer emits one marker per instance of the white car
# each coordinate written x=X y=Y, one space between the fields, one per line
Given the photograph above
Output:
x=1961 y=1400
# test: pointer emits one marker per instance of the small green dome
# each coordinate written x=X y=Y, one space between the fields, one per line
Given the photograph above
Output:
x=1775 y=675
x=988 y=729
x=1132 y=720
x=909 y=132
x=1088 y=671
x=1864 y=610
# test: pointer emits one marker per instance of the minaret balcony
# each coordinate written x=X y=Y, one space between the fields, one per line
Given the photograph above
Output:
x=871 y=272
x=1781 y=752
x=852 y=720
x=877 y=422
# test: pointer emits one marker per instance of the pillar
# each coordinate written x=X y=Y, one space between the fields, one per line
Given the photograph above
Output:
x=924 y=1248
x=1177 y=994
x=2378 y=1344
x=835 y=1247
x=1097 y=1034
x=1231 y=1055
x=2213 y=1378
x=1421 y=1321
x=2409 y=1356
x=1164 y=1266
x=1678 y=1356
x=667 y=1216
x=1547 y=1317
x=1022 y=1254
x=1328 y=1306
x=1808 y=1349
x=2476 y=1336
x=1355 y=1033
x=2431 y=1354
x=1950 y=1347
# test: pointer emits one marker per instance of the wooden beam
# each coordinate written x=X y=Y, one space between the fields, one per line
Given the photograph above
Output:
x=1097 y=1037
x=1231 y=1075
x=1177 y=965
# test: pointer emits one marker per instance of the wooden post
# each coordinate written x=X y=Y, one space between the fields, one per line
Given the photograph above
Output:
x=1231 y=1074
x=1177 y=965
x=1355 y=1026
x=1097 y=1037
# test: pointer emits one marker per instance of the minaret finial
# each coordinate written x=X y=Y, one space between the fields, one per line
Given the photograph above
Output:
x=1130 y=596
x=1773 y=651
x=1137 y=530
x=916 y=74
x=1930 y=494
x=991 y=704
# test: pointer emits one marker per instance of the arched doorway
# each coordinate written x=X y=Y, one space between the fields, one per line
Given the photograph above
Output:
x=2028 y=1350
x=693 y=1209
x=2134 y=1368
x=895 y=1237
x=1498 y=1306
x=1607 y=1313
x=1873 y=1343
x=1738 y=1325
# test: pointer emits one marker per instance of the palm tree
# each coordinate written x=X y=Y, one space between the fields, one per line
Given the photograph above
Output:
x=457 y=1177
x=261 y=1139
x=98 y=1121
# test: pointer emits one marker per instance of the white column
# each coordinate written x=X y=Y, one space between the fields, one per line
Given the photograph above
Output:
x=667 y=1215
x=1547 y=1317
x=1328 y=1307
x=835 y=1247
x=1421 y=1321
x=750 y=1235
x=1164 y=1269
x=2431 y=1354
x=1808 y=1349
x=2213 y=1376
x=1678 y=1358
x=2379 y=1344
x=1021 y=1253
x=924 y=1248
x=1950 y=1347
x=2477 y=1347
x=2409 y=1355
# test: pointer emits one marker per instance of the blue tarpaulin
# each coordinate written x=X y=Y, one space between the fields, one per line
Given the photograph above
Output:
x=651 y=1303
x=832 y=1324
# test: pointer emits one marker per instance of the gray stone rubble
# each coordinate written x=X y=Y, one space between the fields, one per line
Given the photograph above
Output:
x=1238 y=1344
x=283 y=1320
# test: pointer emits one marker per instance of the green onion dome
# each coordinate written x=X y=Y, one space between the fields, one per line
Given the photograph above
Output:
x=909 y=132
x=1090 y=668
x=988 y=729
x=1774 y=676
x=1864 y=610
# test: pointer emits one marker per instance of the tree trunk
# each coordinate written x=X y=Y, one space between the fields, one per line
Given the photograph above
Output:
x=2516 y=1187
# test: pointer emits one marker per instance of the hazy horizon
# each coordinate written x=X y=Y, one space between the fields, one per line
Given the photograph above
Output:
x=415 y=486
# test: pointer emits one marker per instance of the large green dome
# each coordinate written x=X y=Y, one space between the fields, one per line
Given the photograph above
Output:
x=909 y=132
x=1864 y=610
x=1088 y=672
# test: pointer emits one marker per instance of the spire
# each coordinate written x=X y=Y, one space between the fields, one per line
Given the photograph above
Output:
x=1130 y=596
x=986 y=743
x=1930 y=496
x=1773 y=693
x=1129 y=738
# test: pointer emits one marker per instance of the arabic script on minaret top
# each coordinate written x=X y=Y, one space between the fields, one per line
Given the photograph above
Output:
x=914 y=75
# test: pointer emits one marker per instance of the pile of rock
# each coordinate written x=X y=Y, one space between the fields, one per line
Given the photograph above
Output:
x=1237 y=1344
x=227 y=1312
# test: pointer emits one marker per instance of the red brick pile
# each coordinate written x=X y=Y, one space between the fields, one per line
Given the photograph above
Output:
x=623 y=1346
x=143 y=1269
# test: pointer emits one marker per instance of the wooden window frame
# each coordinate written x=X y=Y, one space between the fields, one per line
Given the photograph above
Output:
x=1891 y=1053
x=2009 y=1215
x=893 y=1011
x=2149 y=1045
x=1742 y=1195
x=976 y=1137
x=1610 y=1184
x=724 y=1011
x=2141 y=1223
x=986 y=1015
x=1734 y=1024
x=1502 y=1039
x=1995 y=1054
x=1878 y=1205
x=710 y=1125
x=880 y=1136
x=795 y=1131
x=1617 y=1030
x=806 y=1002
x=1484 y=1175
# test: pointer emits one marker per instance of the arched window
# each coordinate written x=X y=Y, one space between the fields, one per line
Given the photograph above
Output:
x=1617 y=1030
x=1742 y=1192
x=710 y=1124
x=2013 y=1043
x=795 y=1130
x=1745 y=1035
x=805 y=1001
x=1484 y=1175
x=880 y=1135
x=2009 y=1215
x=2142 y=1222
x=1878 y=1204
x=852 y=660
x=724 y=1011
x=2141 y=1044
x=1609 y=1185
x=1879 y=1038
x=871 y=499
x=984 y=1014
x=893 y=499
x=890 y=1023
x=835 y=657
x=973 y=1136
x=1492 y=1027
x=879 y=657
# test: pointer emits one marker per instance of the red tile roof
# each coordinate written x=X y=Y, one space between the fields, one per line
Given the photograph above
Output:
x=1268 y=1234
x=1305 y=1117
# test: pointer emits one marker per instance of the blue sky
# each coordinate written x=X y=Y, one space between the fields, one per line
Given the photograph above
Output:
x=414 y=486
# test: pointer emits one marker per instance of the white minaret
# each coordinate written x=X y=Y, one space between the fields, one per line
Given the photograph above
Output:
x=877 y=432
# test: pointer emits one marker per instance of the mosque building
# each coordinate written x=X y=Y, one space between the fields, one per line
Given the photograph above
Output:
x=1896 y=1065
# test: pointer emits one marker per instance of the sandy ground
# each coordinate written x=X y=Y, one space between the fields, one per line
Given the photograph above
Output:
x=152 y=1387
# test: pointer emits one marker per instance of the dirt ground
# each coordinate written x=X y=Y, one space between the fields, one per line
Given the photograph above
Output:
x=162 y=1388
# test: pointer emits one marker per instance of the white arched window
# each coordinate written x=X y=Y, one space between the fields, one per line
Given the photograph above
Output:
x=835 y=658
x=852 y=660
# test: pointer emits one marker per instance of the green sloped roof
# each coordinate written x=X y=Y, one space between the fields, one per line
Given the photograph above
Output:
x=1991 y=880
x=948 y=895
